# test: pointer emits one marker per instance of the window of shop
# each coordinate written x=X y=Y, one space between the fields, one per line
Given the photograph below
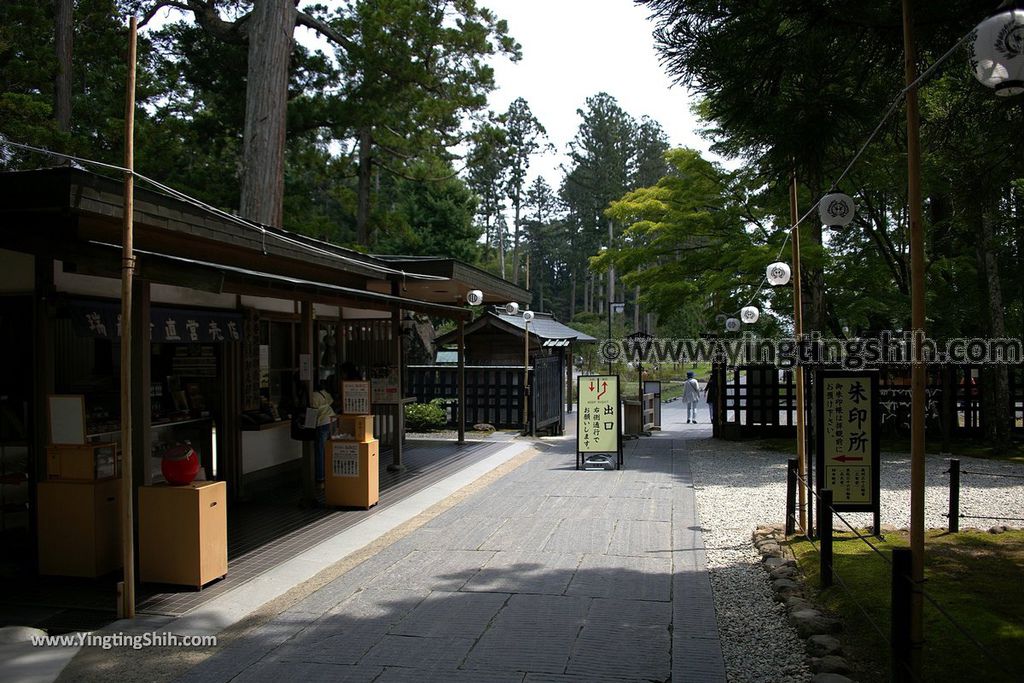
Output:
x=279 y=363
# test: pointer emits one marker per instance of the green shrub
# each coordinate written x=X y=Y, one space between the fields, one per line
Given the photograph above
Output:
x=422 y=417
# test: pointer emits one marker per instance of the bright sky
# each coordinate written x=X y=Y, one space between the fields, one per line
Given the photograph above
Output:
x=573 y=49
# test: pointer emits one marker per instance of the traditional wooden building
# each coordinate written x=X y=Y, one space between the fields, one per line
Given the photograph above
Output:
x=231 y=322
x=499 y=346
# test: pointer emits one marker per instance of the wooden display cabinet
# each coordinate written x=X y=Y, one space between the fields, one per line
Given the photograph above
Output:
x=354 y=427
x=79 y=527
x=352 y=473
x=91 y=461
x=183 y=536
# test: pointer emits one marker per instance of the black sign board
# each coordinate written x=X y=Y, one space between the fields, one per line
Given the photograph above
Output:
x=102 y=319
x=846 y=438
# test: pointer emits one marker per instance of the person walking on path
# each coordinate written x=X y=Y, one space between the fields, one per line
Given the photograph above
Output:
x=691 y=396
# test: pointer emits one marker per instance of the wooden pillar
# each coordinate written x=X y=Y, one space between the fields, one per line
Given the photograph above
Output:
x=798 y=330
x=396 y=335
x=918 y=370
x=42 y=379
x=568 y=381
x=308 y=447
x=141 y=355
x=461 y=412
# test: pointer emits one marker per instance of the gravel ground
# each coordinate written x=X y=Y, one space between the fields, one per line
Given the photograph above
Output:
x=740 y=487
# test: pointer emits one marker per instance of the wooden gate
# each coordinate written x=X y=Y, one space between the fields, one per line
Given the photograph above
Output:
x=546 y=386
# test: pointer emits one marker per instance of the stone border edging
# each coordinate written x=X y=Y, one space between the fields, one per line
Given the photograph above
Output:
x=824 y=650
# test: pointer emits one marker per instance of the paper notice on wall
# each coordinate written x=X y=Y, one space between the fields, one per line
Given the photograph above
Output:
x=344 y=459
x=355 y=398
x=264 y=366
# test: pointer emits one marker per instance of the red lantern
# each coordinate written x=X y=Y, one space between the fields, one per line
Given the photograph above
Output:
x=179 y=465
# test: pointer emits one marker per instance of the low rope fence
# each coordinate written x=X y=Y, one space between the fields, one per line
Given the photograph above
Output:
x=903 y=586
x=954 y=515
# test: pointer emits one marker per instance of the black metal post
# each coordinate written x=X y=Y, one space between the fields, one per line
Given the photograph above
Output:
x=791 y=471
x=954 y=495
x=900 y=618
x=825 y=535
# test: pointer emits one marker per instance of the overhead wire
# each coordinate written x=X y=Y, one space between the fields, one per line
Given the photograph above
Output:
x=220 y=213
x=893 y=106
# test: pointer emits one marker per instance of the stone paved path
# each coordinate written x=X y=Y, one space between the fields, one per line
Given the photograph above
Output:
x=548 y=574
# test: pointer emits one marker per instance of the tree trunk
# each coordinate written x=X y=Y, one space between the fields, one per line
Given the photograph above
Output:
x=813 y=282
x=572 y=297
x=363 y=191
x=63 y=38
x=515 y=241
x=266 y=107
x=501 y=247
x=996 y=383
x=636 y=308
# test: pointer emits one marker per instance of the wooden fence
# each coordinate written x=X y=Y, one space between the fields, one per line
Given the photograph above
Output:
x=494 y=393
x=760 y=400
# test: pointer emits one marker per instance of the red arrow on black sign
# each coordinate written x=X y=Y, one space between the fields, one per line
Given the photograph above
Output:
x=845 y=458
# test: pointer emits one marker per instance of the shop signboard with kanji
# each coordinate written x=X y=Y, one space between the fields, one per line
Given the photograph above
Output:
x=847 y=412
x=598 y=428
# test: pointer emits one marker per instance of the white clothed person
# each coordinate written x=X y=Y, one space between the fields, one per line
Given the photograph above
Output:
x=691 y=396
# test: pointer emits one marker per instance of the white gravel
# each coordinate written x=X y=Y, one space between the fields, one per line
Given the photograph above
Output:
x=740 y=487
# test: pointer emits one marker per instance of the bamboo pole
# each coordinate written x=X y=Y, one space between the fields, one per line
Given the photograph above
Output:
x=798 y=330
x=126 y=608
x=918 y=370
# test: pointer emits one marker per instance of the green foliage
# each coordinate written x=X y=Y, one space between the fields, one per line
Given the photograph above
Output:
x=966 y=573
x=425 y=417
x=28 y=68
x=687 y=239
x=429 y=217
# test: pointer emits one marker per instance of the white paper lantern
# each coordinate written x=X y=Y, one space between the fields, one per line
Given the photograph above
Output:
x=836 y=209
x=732 y=325
x=777 y=274
x=749 y=314
x=720 y=318
x=997 y=52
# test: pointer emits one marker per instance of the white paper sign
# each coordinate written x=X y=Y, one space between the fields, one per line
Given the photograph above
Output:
x=344 y=459
x=355 y=398
x=67 y=419
x=305 y=367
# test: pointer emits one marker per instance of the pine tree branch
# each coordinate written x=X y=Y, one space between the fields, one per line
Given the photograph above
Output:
x=309 y=21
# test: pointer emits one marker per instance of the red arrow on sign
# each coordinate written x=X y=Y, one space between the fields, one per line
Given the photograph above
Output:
x=604 y=390
x=845 y=458
x=591 y=385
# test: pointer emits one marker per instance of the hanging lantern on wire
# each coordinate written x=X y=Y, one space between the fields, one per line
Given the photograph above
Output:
x=997 y=52
x=777 y=274
x=732 y=325
x=836 y=209
x=721 y=318
x=749 y=314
